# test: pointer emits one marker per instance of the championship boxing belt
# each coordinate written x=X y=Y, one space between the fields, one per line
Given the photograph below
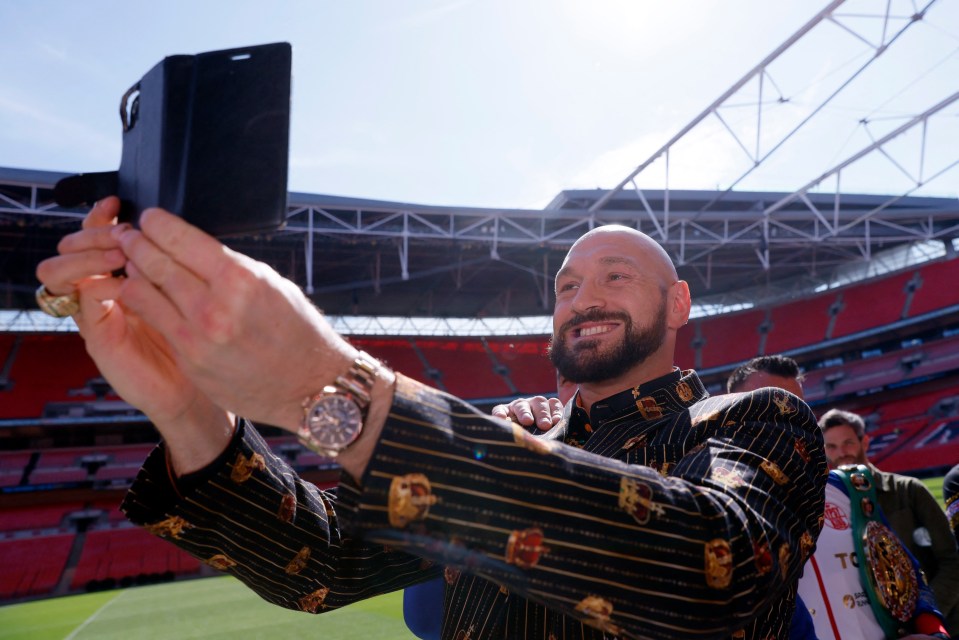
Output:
x=886 y=570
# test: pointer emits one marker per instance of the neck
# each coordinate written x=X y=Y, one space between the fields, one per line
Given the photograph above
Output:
x=650 y=369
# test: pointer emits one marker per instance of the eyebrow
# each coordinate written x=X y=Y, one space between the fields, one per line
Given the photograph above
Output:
x=606 y=261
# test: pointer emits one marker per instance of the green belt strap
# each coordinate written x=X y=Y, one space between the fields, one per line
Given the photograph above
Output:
x=887 y=574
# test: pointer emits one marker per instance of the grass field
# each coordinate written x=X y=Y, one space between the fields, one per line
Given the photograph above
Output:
x=935 y=485
x=208 y=608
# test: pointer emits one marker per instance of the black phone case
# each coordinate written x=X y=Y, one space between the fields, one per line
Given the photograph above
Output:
x=206 y=137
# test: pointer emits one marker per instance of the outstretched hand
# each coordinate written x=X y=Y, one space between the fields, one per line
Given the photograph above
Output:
x=244 y=335
x=137 y=361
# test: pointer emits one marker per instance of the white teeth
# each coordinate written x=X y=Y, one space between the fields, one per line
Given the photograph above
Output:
x=592 y=331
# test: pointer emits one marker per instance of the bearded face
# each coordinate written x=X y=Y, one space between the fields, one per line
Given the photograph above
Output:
x=589 y=361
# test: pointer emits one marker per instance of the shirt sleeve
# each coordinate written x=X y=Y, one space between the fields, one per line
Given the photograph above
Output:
x=248 y=514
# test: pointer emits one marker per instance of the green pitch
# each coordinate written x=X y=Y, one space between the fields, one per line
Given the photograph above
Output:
x=935 y=485
x=207 y=608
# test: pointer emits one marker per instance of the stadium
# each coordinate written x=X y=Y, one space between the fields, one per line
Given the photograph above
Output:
x=859 y=288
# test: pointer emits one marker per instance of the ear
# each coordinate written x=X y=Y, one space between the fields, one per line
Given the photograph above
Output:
x=677 y=305
x=865 y=443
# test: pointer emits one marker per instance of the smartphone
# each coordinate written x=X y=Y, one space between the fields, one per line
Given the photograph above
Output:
x=206 y=137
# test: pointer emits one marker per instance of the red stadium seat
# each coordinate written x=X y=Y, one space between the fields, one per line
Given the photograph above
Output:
x=799 y=324
x=33 y=383
x=466 y=369
x=871 y=304
x=127 y=553
x=729 y=339
x=526 y=364
x=33 y=566
x=938 y=287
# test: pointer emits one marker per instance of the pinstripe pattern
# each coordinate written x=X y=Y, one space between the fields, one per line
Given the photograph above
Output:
x=682 y=516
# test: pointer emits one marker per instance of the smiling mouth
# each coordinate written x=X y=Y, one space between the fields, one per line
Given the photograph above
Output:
x=596 y=330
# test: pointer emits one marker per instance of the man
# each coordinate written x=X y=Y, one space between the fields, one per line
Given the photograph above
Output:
x=832 y=602
x=912 y=510
x=539 y=539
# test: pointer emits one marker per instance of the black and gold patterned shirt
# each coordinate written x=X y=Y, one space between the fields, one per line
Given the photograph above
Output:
x=672 y=515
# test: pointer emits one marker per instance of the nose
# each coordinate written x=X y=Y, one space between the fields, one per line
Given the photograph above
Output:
x=588 y=296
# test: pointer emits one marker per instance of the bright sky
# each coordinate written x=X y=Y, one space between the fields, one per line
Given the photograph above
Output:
x=481 y=103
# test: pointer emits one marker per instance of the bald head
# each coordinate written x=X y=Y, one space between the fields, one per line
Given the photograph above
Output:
x=619 y=304
x=628 y=243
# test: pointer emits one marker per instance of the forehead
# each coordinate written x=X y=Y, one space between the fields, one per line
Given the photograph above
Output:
x=840 y=432
x=604 y=250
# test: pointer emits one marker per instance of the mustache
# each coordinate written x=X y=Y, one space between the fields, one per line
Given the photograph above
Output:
x=594 y=315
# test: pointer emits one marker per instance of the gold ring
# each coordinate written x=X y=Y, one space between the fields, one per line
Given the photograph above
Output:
x=57 y=306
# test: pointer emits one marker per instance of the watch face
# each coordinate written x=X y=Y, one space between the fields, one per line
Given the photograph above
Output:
x=334 y=421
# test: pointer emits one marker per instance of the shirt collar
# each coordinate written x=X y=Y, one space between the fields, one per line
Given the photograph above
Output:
x=675 y=391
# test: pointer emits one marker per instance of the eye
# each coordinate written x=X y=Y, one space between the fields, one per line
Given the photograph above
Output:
x=567 y=286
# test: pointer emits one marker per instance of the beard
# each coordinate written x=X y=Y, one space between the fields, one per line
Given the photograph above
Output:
x=586 y=362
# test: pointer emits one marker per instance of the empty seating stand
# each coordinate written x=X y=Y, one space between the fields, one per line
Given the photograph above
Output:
x=728 y=338
x=799 y=324
x=33 y=382
x=12 y=466
x=58 y=466
x=396 y=353
x=685 y=357
x=938 y=287
x=936 y=445
x=525 y=364
x=33 y=565
x=466 y=369
x=41 y=517
x=128 y=553
x=871 y=304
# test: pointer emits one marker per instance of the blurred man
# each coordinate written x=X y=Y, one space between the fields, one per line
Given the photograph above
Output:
x=913 y=512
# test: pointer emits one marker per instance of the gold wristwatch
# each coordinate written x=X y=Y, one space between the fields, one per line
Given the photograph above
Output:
x=333 y=418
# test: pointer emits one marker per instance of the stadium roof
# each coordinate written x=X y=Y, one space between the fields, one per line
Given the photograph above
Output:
x=359 y=257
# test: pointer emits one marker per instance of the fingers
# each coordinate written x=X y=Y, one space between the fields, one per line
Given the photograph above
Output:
x=199 y=252
x=540 y=411
x=98 y=297
x=103 y=213
x=519 y=410
x=545 y=414
x=555 y=411
x=89 y=252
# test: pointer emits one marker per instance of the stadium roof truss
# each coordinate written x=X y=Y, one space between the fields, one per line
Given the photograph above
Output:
x=364 y=257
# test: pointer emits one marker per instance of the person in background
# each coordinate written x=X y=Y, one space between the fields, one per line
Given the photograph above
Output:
x=913 y=512
x=767 y=371
x=824 y=609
